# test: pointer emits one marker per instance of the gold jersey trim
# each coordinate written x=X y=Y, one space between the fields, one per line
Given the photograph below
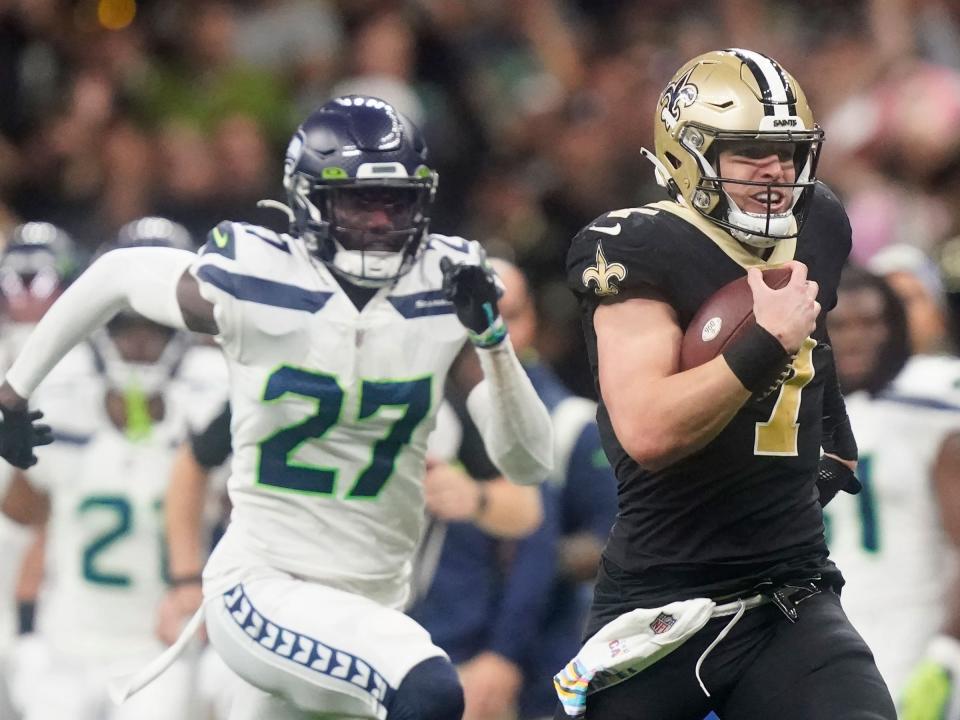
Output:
x=782 y=252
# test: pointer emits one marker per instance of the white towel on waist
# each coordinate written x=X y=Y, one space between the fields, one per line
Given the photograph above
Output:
x=627 y=645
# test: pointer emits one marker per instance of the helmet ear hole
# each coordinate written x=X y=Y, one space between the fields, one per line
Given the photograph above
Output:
x=673 y=160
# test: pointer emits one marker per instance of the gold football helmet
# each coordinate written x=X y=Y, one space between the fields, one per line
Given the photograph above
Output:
x=715 y=101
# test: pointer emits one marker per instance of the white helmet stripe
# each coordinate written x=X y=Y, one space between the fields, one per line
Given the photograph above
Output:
x=770 y=79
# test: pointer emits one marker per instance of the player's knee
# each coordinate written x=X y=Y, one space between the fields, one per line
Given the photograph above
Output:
x=430 y=691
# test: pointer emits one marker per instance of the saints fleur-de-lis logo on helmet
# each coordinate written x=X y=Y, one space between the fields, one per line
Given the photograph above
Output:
x=602 y=273
x=679 y=94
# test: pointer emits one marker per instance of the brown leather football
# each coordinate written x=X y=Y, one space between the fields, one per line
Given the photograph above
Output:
x=723 y=318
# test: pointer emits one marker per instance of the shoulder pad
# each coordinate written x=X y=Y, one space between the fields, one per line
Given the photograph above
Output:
x=221 y=241
x=617 y=252
x=225 y=238
x=827 y=198
x=834 y=216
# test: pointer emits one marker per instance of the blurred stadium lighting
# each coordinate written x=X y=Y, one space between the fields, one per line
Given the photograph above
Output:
x=116 y=14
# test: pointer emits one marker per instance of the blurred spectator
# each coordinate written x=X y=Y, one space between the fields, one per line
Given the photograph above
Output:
x=243 y=154
x=586 y=495
x=187 y=177
x=481 y=598
x=299 y=39
x=915 y=278
x=206 y=82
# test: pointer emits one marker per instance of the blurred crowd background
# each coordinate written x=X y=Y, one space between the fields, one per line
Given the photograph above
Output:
x=534 y=110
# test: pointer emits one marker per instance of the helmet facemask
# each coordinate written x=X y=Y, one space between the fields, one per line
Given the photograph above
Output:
x=137 y=359
x=359 y=189
x=772 y=210
x=35 y=268
x=368 y=232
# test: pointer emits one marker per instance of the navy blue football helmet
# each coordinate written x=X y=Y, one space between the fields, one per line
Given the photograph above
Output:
x=37 y=264
x=154 y=232
x=360 y=189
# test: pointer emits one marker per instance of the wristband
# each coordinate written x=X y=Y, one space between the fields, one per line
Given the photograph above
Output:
x=757 y=359
x=176 y=581
x=492 y=336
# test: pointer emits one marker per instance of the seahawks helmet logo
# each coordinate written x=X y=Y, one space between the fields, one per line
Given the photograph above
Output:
x=678 y=95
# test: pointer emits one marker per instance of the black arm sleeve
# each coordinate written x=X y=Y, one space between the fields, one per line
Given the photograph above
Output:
x=838 y=436
x=472 y=453
x=211 y=446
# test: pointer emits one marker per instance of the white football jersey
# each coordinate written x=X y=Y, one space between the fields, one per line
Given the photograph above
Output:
x=331 y=408
x=105 y=556
x=889 y=541
x=15 y=539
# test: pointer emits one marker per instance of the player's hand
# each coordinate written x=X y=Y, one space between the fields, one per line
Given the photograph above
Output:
x=175 y=610
x=20 y=430
x=474 y=290
x=491 y=684
x=790 y=313
x=930 y=692
x=451 y=494
x=835 y=474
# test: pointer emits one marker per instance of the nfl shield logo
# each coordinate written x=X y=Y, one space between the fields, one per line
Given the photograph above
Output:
x=662 y=623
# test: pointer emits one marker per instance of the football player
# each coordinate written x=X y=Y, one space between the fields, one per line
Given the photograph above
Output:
x=717 y=556
x=339 y=338
x=100 y=492
x=897 y=541
x=38 y=261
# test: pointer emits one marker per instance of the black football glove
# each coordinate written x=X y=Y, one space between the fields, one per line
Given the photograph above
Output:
x=474 y=290
x=834 y=476
x=19 y=434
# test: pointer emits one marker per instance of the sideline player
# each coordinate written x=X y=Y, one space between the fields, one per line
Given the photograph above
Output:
x=897 y=541
x=99 y=490
x=38 y=262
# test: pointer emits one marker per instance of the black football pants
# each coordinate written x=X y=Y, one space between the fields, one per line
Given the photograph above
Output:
x=767 y=668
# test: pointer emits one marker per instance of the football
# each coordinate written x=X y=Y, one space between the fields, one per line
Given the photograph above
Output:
x=724 y=317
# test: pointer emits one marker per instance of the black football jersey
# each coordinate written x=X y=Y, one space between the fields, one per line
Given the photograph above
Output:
x=743 y=509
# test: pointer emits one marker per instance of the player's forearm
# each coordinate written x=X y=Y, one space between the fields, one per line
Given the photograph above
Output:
x=184 y=515
x=509 y=511
x=23 y=503
x=143 y=278
x=663 y=420
x=512 y=419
